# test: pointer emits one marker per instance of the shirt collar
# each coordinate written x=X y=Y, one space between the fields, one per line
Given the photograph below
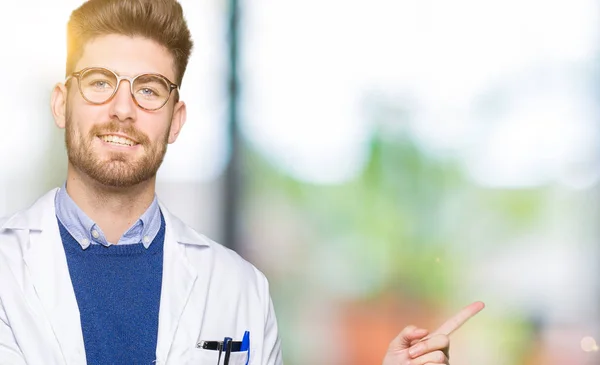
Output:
x=87 y=232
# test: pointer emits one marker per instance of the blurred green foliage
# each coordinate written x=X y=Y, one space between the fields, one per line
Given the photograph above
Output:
x=402 y=219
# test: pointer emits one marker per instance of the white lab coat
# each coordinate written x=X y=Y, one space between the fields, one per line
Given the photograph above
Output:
x=208 y=293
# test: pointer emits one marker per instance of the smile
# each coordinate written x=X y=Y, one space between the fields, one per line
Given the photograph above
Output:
x=118 y=140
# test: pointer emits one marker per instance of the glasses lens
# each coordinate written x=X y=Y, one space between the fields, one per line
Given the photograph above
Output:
x=151 y=91
x=97 y=85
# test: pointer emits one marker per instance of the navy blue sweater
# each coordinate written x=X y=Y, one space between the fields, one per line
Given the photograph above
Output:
x=118 y=294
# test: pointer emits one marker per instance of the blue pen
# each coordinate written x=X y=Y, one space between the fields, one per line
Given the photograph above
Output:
x=246 y=345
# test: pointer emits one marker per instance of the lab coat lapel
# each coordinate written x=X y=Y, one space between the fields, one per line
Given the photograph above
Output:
x=180 y=279
x=47 y=265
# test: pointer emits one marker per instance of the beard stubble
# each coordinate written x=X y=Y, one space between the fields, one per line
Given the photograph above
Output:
x=120 y=169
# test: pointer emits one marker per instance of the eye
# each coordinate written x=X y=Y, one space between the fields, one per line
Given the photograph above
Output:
x=147 y=92
x=100 y=84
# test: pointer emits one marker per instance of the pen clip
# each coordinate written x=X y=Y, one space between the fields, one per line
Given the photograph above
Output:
x=220 y=349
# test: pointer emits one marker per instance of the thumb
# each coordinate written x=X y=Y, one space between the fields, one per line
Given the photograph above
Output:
x=408 y=335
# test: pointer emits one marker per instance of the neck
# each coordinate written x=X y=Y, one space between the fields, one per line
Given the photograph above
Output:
x=113 y=209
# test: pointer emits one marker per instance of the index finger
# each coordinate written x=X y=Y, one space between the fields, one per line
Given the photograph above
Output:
x=460 y=318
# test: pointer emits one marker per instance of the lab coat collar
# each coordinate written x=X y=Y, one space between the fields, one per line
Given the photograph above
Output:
x=46 y=262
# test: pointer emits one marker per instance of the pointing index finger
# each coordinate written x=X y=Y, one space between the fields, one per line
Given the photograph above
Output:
x=460 y=318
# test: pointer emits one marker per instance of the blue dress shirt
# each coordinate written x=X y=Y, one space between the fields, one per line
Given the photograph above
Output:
x=86 y=232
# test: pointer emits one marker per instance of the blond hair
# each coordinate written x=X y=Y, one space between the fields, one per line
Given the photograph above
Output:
x=159 y=20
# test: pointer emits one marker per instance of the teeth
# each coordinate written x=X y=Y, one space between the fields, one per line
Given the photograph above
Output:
x=118 y=140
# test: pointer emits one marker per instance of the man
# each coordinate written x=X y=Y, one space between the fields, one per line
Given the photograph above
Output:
x=98 y=271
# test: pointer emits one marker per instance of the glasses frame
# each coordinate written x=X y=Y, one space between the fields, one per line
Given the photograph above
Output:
x=77 y=75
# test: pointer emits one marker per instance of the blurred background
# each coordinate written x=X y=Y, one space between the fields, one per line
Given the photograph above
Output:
x=384 y=163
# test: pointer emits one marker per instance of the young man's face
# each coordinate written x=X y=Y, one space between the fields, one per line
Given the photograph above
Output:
x=118 y=143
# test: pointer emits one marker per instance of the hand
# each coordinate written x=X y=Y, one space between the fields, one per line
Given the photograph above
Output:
x=416 y=346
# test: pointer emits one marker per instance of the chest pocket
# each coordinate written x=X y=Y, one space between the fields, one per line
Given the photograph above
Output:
x=210 y=357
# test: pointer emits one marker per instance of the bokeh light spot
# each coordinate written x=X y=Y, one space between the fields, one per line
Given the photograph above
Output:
x=588 y=344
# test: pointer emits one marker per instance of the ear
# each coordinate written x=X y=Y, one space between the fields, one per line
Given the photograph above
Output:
x=177 y=121
x=58 y=104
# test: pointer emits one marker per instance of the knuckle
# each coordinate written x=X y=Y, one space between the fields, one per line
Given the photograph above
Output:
x=409 y=328
x=439 y=356
x=420 y=348
x=408 y=331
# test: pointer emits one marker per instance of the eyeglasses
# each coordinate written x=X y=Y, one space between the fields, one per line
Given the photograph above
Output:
x=98 y=85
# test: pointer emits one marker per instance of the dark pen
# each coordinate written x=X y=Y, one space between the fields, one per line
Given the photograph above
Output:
x=220 y=349
x=228 y=344
x=227 y=348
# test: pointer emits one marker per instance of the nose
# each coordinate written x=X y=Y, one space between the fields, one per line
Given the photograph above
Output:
x=122 y=106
